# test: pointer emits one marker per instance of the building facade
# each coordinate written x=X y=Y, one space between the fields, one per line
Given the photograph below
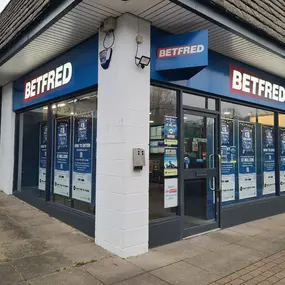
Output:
x=142 y=154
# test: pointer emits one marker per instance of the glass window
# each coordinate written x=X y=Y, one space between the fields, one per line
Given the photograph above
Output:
x=33 y=152
x=247 y=151
x=73 y=152
x=163 y=152
x=282 y=152
x=198 y=142
x=74 y=146
x=196 y=101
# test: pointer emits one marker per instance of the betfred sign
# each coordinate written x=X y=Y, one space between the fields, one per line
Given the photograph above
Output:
x=180 y=57
x=247 y=83
x=47 y=82
x=179 y=51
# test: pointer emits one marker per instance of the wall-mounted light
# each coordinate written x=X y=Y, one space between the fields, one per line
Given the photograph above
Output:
x=143 y=61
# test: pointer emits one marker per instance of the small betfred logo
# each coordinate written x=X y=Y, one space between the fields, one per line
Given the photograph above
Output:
x=185 y=50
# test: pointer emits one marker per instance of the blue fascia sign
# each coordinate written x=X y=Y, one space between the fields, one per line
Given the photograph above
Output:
x=181 y=56
x=75 y=70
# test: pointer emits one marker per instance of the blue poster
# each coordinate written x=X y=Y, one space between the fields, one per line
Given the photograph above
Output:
x=42 y=156
x=82 y=158
x=282 y=159
x=228 y=154
x=170 y=161
x=268 y=160
x=228 y=150
x=247 y=161
x=62 y=157
x=170 y=130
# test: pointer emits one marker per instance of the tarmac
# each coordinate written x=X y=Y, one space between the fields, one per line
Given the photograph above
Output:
x=36 y=249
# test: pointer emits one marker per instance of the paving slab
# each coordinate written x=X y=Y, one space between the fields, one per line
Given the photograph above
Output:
x=73 y=276
x=49 y=231
x=69 y=239
x=226 y=260
x=166 y=255
x=25 y=215
x=228 y=236
x=84 y=253
x=2 y=194
x=113 y=270
x=248 y=230
x=262 y=244
x=144 y=279
x=182 y=273
x=23 y=248
x=7 y=224
x=153 y=260
x=36 y=221
x=207 y=242
x=8 y=274
x=42 y=264
x=8 y=236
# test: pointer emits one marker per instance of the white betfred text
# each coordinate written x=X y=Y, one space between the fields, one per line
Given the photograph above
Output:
x=48 y=81
x=243 y=82
x=179 y=51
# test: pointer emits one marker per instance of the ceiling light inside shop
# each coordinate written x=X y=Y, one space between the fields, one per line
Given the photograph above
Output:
x=61 y=105
x=185 y=118
x=71 y=113
x=45 y=108
x=54 y=106
x=151 y=122
x=227 y=113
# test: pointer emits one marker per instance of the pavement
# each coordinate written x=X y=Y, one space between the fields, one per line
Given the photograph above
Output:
x=36 y=249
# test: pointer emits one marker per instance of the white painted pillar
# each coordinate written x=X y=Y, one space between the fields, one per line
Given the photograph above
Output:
x=123 y=124
x=7 y=139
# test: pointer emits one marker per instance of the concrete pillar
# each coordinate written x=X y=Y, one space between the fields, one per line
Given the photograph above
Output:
x=123 y=124
x=7 y=139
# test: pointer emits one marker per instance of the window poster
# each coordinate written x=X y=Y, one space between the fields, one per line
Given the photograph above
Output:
x=268 y=160
x=42 y=157
x=170 y=130
x=228 y=154
x=282 y=159
x=170 y=161
x=82 y=158
x=62 y=157
x=247 y=165
x=170 y=192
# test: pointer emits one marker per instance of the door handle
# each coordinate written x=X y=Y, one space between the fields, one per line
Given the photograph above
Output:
x=211 y=161
x=219 y=172
x=212 y=184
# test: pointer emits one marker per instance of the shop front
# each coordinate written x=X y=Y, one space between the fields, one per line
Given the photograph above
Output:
x=212 y=128
x=216 y=141
x=56 y=108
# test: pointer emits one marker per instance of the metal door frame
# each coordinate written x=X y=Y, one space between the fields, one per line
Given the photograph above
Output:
x=210 y=226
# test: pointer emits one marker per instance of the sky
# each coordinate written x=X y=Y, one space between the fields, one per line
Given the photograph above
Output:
x=3 y=4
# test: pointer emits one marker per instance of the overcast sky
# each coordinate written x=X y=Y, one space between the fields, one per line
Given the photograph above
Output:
x=3 y=4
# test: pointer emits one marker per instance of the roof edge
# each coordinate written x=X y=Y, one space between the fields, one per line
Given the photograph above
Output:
x=54 y=12
x=227 y=21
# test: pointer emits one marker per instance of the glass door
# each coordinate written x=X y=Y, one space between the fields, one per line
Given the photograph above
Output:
x=201 y=174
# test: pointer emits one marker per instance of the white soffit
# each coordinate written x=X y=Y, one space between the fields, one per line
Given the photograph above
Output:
x=84 y=20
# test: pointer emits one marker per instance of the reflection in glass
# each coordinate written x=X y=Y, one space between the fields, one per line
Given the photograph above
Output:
x=199 y=153
x=196 y=101
x=262 y=122
x=33 y=152
x=162 y=105
x=74 y=159
x=198 y=140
